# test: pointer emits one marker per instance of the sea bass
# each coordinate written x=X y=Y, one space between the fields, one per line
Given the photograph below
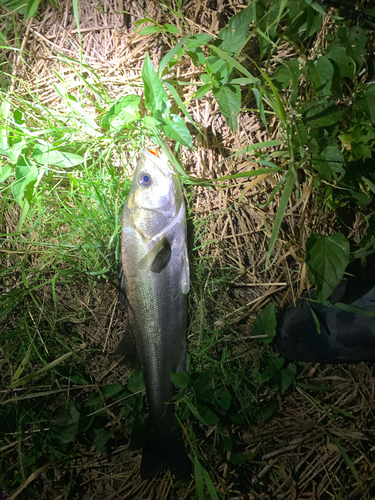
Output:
x=155 y=279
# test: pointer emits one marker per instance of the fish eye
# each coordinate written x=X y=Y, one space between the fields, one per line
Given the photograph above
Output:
x=144 y=179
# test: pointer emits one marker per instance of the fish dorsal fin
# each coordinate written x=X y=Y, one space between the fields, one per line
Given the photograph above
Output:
x=157 y=258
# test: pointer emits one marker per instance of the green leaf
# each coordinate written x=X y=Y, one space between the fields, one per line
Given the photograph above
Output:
x=229 y=100
x=149 y=29
x=286 y=377
x=180 y=379
x=26 y=171
x=155 y=96
x=349 y=462
x=367 y=101
x=6 y=172
x=172 y=57
x=202 y=91
x=327 y=258
x=338 y=55
x=265 y=324
x=321 y=113
x=284 y=199
x=266 y=411
x=223 y=398
x=171 y=28
x=325 y=71
x=65 y=424
x=136 y=382
x=196 y=41
x=111 y=390
x=175 y=128
x=47 y=155
x=181 y=105
x=232 y=37
x=31 y=8
x=101 y=438
x=233 y=63
x=121 y=113
x=354 y=40
x=330 y=163
x=259 y=145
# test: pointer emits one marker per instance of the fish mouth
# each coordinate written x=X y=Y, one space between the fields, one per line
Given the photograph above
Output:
x=155 y=159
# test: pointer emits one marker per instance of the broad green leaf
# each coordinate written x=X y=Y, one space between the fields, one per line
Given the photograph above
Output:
x=366 y=101
x=265 y=324
x=180 y=379
x=288 y=71
x=149 y=29
x=338 y=55
x=284 y=199
x=151 y=123
x=155 y=95
x=5 y=172
x=26 y=171
x=325 y=71
x=197 y=40
x=202 y=91
x=286 y=377
x=123 y=112
x=327 y=258
x=223 y=398
x=46 y=155
x=111 y=390
x=321 y=113
x=233 y=63
x=354 y=40
x=171 y=28
x=266 y=411
x=64 y=425
x=229 y=100
x=232 y=37
x=136 y=382
x=330 y=163
x=172 y=57
x=175 y=128
x=31 y=8
x=102 y=436
x=15 y=151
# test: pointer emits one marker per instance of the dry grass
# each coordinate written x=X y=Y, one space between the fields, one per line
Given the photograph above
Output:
x=297 y=453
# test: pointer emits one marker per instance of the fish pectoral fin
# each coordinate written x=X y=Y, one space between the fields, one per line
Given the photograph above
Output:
x=157 y=258
x=121 y=289
x=127 y=352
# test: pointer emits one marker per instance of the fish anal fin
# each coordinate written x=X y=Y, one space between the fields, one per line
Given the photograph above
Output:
x=127 y=351
x=157 y=259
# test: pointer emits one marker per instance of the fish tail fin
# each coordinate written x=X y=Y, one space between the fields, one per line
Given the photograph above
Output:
x=164 y=449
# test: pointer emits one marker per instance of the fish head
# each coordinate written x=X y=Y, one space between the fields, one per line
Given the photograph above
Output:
x=155 y=196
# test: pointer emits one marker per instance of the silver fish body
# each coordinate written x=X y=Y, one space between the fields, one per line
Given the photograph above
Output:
x=155 y=276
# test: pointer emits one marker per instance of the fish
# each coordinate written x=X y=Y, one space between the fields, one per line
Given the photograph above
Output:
x=153 y=283
x=345 y=336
